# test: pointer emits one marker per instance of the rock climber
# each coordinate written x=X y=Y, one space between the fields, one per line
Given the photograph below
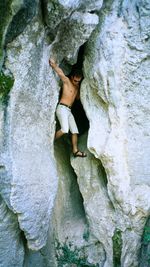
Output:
x=70 y=91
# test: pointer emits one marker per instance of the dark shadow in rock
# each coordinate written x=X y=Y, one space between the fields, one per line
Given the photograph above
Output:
x=21 y=19
x=144 y=255
x=80 y=117
x=102 y=174
x=77 y=108
x=69 y=201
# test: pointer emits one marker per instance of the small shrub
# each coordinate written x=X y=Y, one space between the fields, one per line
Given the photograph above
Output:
x=6 y=83
x=146 y=238
x=117 y=248
x=66 y=253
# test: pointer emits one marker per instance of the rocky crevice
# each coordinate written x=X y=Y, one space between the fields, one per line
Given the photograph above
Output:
x=144 y=257
x=74 y=227
x=86 y=203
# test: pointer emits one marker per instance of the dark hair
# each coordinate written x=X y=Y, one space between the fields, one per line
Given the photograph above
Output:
x=76 y=72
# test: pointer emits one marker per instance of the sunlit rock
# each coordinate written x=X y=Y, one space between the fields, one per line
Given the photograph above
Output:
x=79 y=26
x=56 y=11
x=31 y=131
x=96 y=207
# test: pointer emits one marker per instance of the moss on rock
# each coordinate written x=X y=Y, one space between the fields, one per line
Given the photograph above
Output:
x=6 y=83
x=117 y=248
x=145 y=246
x=5 y=8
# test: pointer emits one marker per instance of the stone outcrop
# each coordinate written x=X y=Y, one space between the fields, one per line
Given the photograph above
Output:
x=95 y=209
x=80 y=26
x=10 y=237
x=29 y=119
x=15 y=16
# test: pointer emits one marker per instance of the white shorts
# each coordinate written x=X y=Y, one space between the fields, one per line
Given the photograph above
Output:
x=66 y=119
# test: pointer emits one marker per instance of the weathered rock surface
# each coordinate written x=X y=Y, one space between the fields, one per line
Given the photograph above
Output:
x=80 y=26
x=119 y=65
x=11 y=243
x=95 y=208
x=29 y=117
x=93 y=187
x=71 y=218
x=13 y=12
x=56 y=11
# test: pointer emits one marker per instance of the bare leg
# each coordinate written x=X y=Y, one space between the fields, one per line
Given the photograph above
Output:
x=75 y=147
x=74 y=142
x=58 y=134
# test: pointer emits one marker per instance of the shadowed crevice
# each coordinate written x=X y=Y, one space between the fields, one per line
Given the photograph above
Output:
x=117 y=248
x=144 y=256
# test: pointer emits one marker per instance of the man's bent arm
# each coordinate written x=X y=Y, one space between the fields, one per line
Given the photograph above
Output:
x=58 y=70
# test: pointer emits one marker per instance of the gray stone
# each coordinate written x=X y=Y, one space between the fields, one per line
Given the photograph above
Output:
x=23 y=11
x=93 y=187
x=76 y=31
x=71 y=219
x=31 y=127
x=88 y=5
x=56 y=11
x=117 y=125
x=13 y=12
x=11 y=245
x=53 y=195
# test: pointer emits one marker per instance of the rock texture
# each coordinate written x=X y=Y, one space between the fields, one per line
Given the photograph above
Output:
x=56 y=209
x=15 y=16
x=29 y=119
x=80 y=26
x=116 y=82
x=11 y=240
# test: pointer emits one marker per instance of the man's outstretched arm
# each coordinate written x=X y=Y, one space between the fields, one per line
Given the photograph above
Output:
x=58 y=70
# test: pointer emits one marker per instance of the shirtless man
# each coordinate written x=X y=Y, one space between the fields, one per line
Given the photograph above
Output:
x=70 y=92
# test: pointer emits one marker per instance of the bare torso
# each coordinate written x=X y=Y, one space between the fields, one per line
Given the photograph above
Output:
x=69 y=93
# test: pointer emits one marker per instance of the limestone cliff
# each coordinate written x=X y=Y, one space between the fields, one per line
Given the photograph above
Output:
x=56 y=210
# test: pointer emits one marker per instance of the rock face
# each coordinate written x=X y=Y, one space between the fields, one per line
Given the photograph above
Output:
x=29 y=118
x=57 y=210
x=10 y=238
x=15 y=16
x=79 y=25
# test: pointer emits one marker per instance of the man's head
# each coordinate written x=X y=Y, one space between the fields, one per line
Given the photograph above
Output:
x=76 y=76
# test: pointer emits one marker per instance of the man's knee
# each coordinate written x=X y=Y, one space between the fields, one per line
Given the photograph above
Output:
x=65 y=130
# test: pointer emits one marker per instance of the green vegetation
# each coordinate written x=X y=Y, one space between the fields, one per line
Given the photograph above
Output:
x=146 y=240
x=117 y=248
x=86 y=234
x=6 y=83
x=67 y=254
